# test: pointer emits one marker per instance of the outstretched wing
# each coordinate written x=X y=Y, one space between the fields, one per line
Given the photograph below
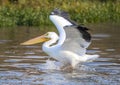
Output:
x=77 y=39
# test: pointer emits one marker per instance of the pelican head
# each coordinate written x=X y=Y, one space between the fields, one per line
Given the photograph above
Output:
x=46 y=37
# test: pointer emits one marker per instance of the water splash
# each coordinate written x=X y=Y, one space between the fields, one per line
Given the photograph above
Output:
x=52 y=65
x=55 y=65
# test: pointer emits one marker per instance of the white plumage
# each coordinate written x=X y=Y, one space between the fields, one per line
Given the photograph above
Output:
x=71 y=44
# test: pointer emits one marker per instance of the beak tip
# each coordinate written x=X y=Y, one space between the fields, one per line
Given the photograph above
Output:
x=23 y=44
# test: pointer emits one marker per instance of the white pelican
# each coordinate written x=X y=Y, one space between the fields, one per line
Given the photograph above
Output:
x=71 y=44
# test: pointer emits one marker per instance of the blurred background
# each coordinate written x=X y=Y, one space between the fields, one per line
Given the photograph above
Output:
x=36 y=12
x=21 y=20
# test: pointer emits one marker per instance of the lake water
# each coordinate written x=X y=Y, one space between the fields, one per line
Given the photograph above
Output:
x=29 y=65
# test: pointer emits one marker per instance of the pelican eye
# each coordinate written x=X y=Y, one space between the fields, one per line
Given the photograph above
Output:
x=46 y=34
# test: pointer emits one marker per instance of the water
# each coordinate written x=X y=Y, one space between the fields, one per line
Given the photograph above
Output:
x=29 y=65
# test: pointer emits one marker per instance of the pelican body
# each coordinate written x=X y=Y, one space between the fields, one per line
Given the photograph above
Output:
x=71 y=44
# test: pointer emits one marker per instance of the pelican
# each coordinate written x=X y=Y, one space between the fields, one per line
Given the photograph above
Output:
x=70 y=46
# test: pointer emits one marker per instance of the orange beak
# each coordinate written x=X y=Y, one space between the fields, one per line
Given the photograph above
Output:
x=36 y=40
